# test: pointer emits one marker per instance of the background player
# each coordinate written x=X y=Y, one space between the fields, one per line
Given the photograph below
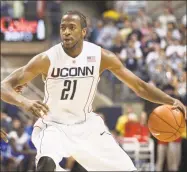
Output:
x=73 y=31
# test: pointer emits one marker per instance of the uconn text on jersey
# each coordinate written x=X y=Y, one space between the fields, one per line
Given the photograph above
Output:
x=74 y=71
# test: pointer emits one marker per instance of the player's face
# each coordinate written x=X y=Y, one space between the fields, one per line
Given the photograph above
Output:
x=71 y=31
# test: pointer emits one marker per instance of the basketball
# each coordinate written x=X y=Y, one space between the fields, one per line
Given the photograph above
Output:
x=166 y=124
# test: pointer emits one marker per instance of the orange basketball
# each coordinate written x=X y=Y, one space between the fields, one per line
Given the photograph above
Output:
x=166 y=124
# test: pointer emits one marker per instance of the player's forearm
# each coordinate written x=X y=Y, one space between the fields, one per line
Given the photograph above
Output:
x=9 y=95
x=155 y=95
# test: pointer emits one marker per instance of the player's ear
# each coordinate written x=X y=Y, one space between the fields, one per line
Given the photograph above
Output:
x=84 y=32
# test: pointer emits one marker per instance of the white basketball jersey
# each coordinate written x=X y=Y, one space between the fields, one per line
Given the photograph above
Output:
x=71 y=83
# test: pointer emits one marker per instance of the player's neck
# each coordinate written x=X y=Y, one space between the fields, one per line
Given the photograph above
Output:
x=74 y=51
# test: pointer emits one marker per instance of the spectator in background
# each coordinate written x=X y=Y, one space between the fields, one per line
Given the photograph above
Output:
x=148 y=41
x=120 y=6
x=122 y=120
x=134 y=38
x=120 y=22
x=172 y=152
x=18 y=9
x=183 y=30
x=175 y=52
x=183 y=20
x=155 y=38
x=118 y=45
x=130 y=55
x=183 y=164
x=129 y=7
x=169 y=86
x=30 y=10
x=158 y=78
x=136 y=127
x=6 y=122
x=145 y=29
x=144 y=45
x=8 y=163
x=19 y=147
x=117 y=85
x=171 y=27
x=181 y=87
x=40 y=8
x=89 y=30
x=11 y=110
x=54 y=8
x=132 y=126
x=142 y=18
x=135 y=30
x=96 y=31
x=159 y=30
x=17 y=139
x=6 y=9
x=166 y=17
x=143 y=133
x=126 y=30
x=111 y=14
x=107 y=35
x=154 y=58
x=29 y=126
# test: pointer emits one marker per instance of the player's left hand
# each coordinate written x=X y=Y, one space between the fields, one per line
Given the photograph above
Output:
x=180 y=106
x=4 y=136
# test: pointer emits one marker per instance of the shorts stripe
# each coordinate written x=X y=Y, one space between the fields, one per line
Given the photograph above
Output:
x=42 y=137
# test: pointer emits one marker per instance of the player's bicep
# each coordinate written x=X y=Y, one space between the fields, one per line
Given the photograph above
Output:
x=25 y=74
x=19 y=77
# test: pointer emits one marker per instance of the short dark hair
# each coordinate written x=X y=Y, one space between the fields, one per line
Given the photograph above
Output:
x=81 y=16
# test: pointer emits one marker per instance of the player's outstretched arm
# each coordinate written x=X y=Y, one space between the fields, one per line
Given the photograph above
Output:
x=37 y=65
x=145 y=90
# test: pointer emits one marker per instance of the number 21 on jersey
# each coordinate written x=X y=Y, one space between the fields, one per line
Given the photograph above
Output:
x=69 y=89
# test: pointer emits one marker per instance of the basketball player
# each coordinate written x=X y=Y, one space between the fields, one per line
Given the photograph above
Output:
x=67 y=125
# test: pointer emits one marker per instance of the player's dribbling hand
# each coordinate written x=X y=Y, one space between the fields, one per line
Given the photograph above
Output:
x=180 y=106
x=36 y=107
x=4 y=136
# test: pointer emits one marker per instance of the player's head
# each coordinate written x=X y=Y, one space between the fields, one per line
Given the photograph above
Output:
x=73 y=28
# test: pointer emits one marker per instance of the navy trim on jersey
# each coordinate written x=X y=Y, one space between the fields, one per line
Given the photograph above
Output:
x=86 y=101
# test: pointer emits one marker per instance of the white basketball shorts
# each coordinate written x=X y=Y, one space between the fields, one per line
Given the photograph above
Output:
x=89 y=143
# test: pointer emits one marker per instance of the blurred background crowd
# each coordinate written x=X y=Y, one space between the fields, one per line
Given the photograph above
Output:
x=150 y=40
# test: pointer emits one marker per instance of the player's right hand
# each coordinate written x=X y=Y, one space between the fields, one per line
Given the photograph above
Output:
x=36 y=107
x=178 y=104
